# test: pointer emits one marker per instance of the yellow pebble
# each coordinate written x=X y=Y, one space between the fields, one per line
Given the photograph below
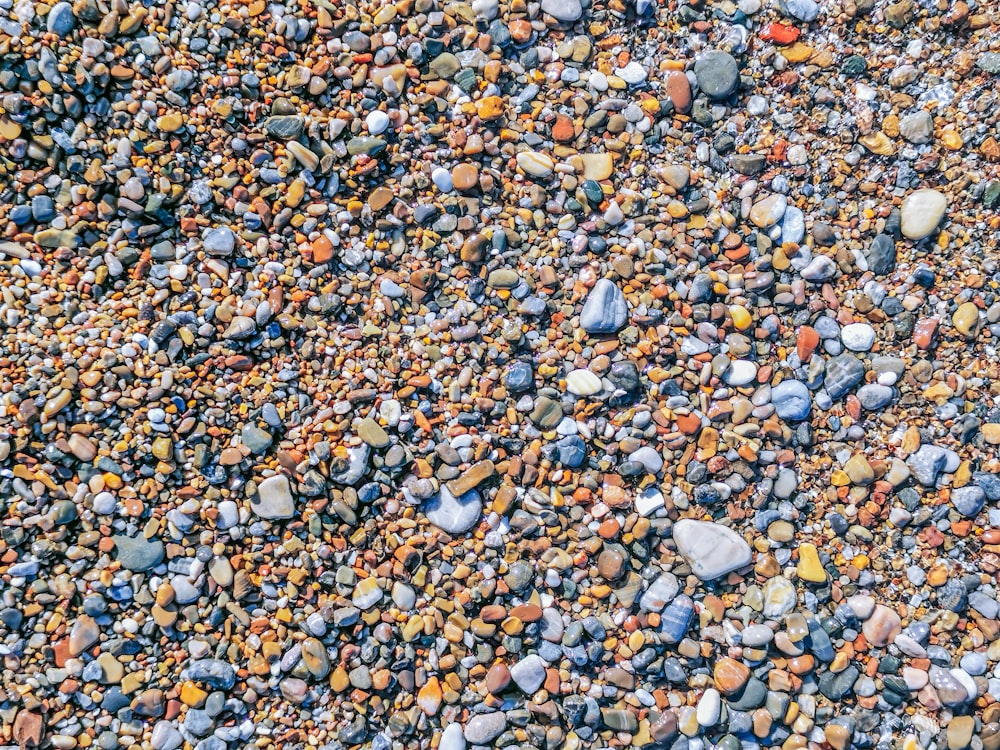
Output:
x=741 y=317
x=810 y=568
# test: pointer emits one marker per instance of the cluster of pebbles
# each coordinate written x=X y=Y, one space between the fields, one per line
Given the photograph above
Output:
x=491 y=373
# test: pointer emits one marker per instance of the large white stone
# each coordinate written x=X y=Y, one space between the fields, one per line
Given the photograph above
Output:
x=455 y=515
x=712 y=550
x=274 y=498
x=922 y=211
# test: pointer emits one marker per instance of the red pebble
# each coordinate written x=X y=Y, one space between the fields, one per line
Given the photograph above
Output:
x=779 y=33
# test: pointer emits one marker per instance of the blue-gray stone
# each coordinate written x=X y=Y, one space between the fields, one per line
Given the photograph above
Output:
x=968 y=500
x=520 y=377
x=137 y=553
x=61 y=20
x=43 y=209
x=791 y=400
x=676 y=619
x=806 y=11
x=717 y=73
x=929 y=461
x=874 y=396
x=214 y=672
x=990 y=484
x=843 y=372
x=605 y=310
x=198 y=722
x=881 y=255
x=572 y=451
x=219 y=241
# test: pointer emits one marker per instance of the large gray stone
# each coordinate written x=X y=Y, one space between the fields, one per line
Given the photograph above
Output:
x=605 y=310
x=712 y=550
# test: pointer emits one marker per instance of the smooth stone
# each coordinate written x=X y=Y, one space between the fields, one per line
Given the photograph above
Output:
x=843 y=372
x=61 y=20
x=564 y=11
x=649 y=457
x=274 y=498
x=583 y=383
x=791 y=400
x=220 y=241
x=769 y=211
x=377 y=122
x=929 y=461
x=881 y=255
x=454 y=515
x=820 y=268
x=741 y=372
x=366 y=594
x=648 y=501
x=482 y=729
x=806 y=11
x=605 y=310
x=779 y=597
x=793 y=225
x=968 y=500
x=949 y=690
x=676 y=619
x=882 y=627
x=529 y=674
x=712 y=550
x=660 y=593
x=535 y=164
x=717 y=73
x=874 y=397
x=858 y=337
x=83 y=634
x=137 y=553
x=452 y=738
x=921 y=212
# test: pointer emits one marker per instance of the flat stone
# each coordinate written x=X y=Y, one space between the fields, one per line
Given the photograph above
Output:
x=137 y=553
x=528 y=674
x=454 y=515
x=881 y=255
x=372 y=433
x=583 y=383
x=660 y=593
x=768 y=212
x=712 y=550
x=843 y=372
x=882 y=627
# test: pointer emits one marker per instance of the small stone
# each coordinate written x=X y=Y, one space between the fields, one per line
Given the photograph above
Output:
x=810 y=568
x=61 y=20
x=528 y=674
x=881 y=255
x=535 y=163
x=583 y=383
x=564 y=11
x=917 y=127
x=768 y=212
x=791 y=400
x=966 y=320
x=730 y=676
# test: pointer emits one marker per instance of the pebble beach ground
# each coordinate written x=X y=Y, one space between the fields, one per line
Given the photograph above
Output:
x=442 y=374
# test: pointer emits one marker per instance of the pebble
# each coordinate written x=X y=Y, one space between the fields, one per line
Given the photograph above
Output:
x=274 y=498
x=605 y=310
x=921 y=212
x=712 y=550
x=497 y=373
x=717 y=73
